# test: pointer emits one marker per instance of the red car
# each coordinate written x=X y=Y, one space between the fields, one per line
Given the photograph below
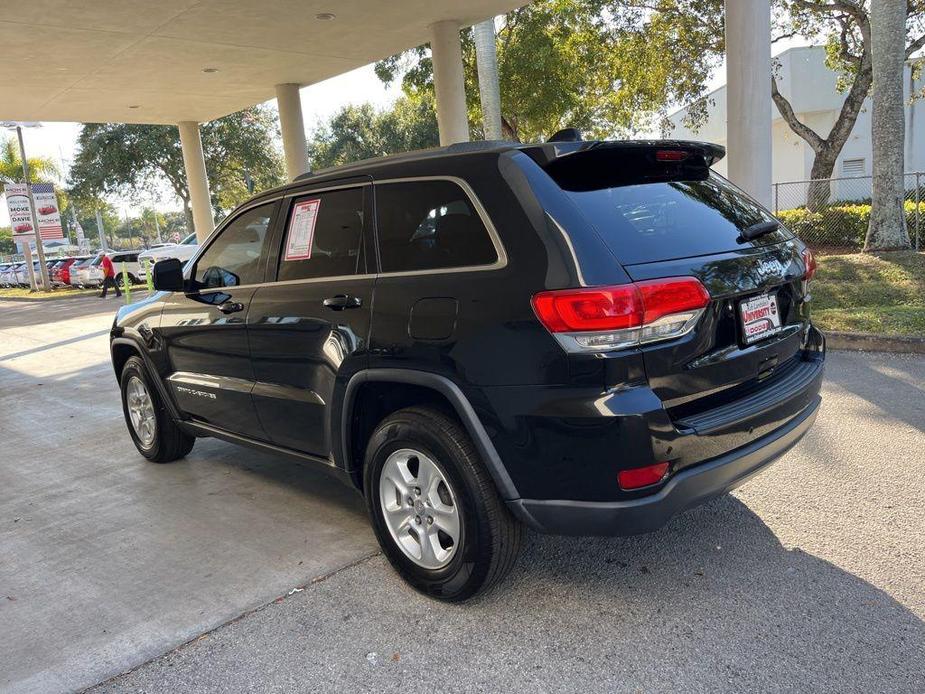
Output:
x=62 y=272
x=20 y=228
x=48 y=209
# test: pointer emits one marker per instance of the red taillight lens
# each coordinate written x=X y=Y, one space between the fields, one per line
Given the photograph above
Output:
x=579 y=310
x=618 y=308
x=671 y=155
x=675 y=295
x=638 y=477
x=809 y=262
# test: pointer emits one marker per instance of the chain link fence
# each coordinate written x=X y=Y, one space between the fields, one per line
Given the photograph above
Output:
x=831 y=215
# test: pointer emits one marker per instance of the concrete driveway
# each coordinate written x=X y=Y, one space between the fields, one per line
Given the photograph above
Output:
x=107 y=561
x=810 y=577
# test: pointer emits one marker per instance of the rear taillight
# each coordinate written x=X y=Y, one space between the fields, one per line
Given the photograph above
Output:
x=809 y=262
x=602 y=318
x=638 y=477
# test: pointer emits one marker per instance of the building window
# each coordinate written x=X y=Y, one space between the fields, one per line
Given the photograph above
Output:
x=853 y=167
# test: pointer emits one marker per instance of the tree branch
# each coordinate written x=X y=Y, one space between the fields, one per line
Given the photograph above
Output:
x=786 y=112
x=915 y=45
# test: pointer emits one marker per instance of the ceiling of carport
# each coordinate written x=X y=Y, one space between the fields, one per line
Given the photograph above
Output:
x=165 y=61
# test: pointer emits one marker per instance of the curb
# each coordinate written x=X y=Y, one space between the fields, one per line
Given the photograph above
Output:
x=868 y=342
x=142 y=294
x=44 y=299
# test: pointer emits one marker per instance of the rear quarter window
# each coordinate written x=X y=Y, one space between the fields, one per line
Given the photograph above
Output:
x=430 y=225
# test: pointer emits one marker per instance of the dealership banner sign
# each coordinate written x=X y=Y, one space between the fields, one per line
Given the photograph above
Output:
x=17 y=202
x=46 y=210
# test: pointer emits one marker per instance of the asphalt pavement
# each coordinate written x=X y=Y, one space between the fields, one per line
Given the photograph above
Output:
x=251 y=575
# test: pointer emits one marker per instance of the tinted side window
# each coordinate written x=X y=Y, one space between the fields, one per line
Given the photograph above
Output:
x=239 y=253
x=427 y=225
x=324 y=236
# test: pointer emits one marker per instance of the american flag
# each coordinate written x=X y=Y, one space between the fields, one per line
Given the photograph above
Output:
x=44 y=194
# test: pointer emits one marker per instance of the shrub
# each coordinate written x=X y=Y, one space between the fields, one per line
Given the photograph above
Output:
x=842 y=226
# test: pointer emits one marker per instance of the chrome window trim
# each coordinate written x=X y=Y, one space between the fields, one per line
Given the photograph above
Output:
x=500 y=251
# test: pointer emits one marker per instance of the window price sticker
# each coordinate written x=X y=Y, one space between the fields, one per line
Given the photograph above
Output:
x=302 y=230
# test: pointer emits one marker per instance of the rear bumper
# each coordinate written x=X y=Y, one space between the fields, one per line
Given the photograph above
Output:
x=688 y=488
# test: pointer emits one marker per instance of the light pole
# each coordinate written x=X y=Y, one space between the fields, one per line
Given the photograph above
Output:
x=46 y=283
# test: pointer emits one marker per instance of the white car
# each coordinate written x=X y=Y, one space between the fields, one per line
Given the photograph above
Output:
x=5 y=272
x=77 y=272
x=91 y=274
x=182 y=251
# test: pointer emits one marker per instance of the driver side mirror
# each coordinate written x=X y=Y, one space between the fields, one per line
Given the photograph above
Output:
x=168 y=275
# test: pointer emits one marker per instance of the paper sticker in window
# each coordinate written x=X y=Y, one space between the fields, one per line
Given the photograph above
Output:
x=302 y=230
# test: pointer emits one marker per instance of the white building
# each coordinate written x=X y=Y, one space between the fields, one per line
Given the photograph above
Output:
x=809 y=85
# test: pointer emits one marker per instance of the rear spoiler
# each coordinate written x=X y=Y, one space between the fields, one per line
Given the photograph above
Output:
x=592 y=165
x=549 y=152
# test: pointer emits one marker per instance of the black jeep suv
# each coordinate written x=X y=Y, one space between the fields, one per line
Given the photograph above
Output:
x=580 y=337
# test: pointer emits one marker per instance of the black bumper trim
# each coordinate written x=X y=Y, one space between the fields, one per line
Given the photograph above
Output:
x=689 y=488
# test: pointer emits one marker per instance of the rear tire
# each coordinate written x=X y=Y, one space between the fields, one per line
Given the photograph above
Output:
x=154 y=433
x=421 y=472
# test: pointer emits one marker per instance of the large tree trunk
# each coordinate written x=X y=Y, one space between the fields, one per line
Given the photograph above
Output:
x=887 y=230
x=820 y=189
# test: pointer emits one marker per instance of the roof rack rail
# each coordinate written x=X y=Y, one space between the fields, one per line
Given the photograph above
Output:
x=476 y=146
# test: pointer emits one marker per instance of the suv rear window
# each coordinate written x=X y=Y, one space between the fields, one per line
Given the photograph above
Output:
x=672 y=219
x=428 y=225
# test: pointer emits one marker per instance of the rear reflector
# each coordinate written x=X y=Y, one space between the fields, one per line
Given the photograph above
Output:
x=624 y=315
x=638 y=477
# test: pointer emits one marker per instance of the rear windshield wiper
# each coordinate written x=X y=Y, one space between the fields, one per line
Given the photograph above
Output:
x=759 y=229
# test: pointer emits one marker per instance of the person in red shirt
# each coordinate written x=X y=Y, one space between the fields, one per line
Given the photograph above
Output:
x=109 y=277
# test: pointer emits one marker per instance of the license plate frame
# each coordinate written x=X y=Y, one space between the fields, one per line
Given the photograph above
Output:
x=759 y=317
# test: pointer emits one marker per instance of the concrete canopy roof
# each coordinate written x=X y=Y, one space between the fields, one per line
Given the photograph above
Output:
x=143 y=61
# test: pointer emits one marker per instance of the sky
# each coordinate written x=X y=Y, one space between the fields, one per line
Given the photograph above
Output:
x=58 y=141
x=320 y=101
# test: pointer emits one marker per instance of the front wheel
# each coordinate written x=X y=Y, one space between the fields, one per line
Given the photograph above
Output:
x=154 y=433
x=434 y=507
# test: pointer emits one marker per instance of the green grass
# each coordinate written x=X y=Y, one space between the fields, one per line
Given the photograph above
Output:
x=19 y=293
x=882 y=293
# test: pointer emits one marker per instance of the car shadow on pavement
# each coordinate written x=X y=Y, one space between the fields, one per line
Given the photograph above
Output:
x=719 y=587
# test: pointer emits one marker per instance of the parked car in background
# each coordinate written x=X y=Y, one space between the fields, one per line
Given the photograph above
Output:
x=61 y=276
x=76 y=273
x=91 y=275
x=182 y=251
x=18 y=275
x=7 y=272
x=129 y=261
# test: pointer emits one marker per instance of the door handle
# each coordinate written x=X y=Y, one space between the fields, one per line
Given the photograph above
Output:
x=342 y=301
x=230 y=307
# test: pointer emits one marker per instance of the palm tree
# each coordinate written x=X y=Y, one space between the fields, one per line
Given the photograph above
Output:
x=40 y=168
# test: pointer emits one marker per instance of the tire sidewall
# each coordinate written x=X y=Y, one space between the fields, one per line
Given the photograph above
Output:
x=456 y=578
x=135 y=367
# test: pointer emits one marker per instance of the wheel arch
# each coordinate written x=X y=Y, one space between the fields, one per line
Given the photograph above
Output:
x=121 y=350
x=437 y=390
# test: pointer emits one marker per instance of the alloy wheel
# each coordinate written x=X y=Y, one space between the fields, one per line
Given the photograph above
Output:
x=419 y=508
x=141 y=411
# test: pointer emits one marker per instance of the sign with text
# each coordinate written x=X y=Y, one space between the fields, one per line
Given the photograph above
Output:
x=302 y=230
x=46 y=208
x=17 y=203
